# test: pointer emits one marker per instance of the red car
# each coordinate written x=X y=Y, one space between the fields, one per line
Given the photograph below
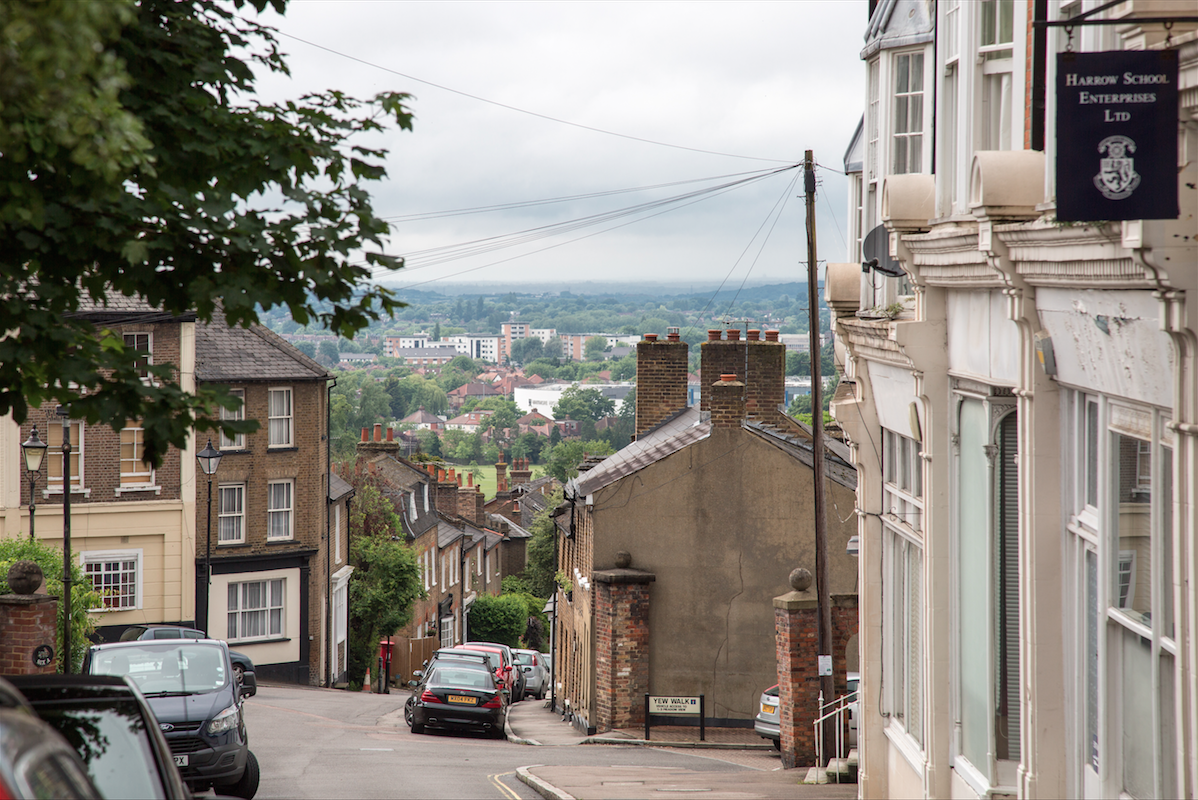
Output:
x=504 y=673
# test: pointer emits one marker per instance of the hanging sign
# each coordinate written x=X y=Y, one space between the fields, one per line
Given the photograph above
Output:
x=1117 y=135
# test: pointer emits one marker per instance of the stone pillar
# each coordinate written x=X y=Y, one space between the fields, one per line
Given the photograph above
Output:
x=621 y=647
x=28 y=624
x=796 y=616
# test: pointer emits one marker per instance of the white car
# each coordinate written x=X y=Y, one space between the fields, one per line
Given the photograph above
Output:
x=536 y=676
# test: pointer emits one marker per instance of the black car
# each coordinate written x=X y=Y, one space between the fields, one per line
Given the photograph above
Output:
x=190 y=687
x=243 y=667
x=468 y=658
x=35 y=761
x=112 y=728
x=458 y=696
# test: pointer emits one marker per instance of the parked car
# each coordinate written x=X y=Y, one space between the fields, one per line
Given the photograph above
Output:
x=768 y=723
x=112 y=728
x=242 y=665
x=466 y=658
x=518 y=686
x=458 y=695
x=190 y=687
x=536 y=677
x=35 y=760
x=507 y=674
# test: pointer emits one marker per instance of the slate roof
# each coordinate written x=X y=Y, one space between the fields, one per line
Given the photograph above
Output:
x=227 y=354
x=117 y=308
x=676 y=432
x=338 y=487
x=422 y=417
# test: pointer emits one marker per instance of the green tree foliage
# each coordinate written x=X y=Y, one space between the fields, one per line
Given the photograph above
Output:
x=386 y=580
x=594 y=348
x=527 y=350
x=528 y=445
x=541 y=565
x=328 y=353
x=430 y=442
x=83 y=596
x=563 y=459
x=498 y=618
x=307 y=348
x=137 y=158
x=581 y=404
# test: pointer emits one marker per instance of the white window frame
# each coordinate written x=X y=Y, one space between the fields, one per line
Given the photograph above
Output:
x=54 y=453
x=237 y=441
x=93 y=557
x=130 y=480
x=130 y=338
x=222 y=514
x=337 y=534
x=910 y=93
x=269 y=606
x=285 y=420
x=903 y=639
x=902 y=480
x=273 y=510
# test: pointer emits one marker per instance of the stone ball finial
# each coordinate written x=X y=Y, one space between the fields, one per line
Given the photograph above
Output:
x=800 y=579
x=24 y=577
x=623 y=559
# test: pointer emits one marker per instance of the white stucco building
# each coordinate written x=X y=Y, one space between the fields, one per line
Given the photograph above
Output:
x=1022 y=406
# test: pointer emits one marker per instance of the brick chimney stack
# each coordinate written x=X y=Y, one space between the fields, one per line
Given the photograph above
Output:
x=372 y=445
x=521 y=471
x=661 y=369
x=727 y=402
x=759 y=364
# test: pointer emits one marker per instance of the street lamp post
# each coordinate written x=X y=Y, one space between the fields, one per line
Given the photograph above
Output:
x=209 y=459
x=67 y=661
x=34 y=449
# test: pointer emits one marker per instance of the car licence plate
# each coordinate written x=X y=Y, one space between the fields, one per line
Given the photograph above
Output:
x=768 y=709
x=462 y=699
x=181 y=761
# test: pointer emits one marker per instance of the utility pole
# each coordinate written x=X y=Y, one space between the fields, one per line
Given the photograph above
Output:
x=823 y=596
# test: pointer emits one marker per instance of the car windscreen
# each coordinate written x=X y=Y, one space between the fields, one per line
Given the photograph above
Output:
x=111 y=738
x=176 y=667
x=525 y=658
x=459 y=678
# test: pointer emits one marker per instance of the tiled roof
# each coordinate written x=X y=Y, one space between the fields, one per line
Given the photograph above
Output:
x=676 y=432
x=836 y=465
x=117 y=306
x=338 y=487
x=225 y=354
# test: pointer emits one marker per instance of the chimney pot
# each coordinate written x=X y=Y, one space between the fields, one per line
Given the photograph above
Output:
x=469 y=478
x=366 y=434
x=672 y=334
x=713 y=335
x=753 y=335
x=650 y=337
x=378 y=431
x=390 y=434
x=771 y=336
x=734 y=334
x=728 y=377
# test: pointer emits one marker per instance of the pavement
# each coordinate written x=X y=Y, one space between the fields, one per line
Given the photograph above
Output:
x=532 y=722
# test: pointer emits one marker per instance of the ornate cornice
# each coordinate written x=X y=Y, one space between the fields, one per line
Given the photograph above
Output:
x=948 y=256
x=873 y=340
x=1050 y=254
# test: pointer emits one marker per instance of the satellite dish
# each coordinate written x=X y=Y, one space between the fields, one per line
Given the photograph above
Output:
x=876 y=251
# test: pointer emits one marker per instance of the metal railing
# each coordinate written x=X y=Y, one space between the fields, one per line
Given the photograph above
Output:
x=836 y=710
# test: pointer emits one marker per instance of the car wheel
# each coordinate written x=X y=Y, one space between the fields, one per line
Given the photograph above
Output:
x=247 y=786
x=777 y=743
x=541 y=693
x=239 y=674
x=417 y=727
x=407 y=710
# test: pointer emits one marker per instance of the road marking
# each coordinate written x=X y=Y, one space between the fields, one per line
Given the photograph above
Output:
x=502 y=787
x=378 y=749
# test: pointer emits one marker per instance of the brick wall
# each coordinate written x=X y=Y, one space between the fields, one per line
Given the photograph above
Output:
x=761 y=365
x=661 y=369
x=727 y=403
x=621 y=647
x=100 y=459
x=797 y=647
x=26 y=622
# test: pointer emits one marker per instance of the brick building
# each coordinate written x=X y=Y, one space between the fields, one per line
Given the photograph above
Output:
x=674 y=548
x=271 y=507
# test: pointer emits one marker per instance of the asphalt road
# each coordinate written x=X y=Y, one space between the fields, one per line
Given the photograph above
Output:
x=321 y=743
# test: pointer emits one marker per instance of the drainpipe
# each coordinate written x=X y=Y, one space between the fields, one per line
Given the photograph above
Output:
x=328 y=539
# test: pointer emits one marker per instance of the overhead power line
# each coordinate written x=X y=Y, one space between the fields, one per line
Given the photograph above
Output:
x=526 y=111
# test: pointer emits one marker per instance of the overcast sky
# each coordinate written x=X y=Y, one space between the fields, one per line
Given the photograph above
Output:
x=755 y=84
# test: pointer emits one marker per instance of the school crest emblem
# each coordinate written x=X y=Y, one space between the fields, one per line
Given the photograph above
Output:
x=1117 y=177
